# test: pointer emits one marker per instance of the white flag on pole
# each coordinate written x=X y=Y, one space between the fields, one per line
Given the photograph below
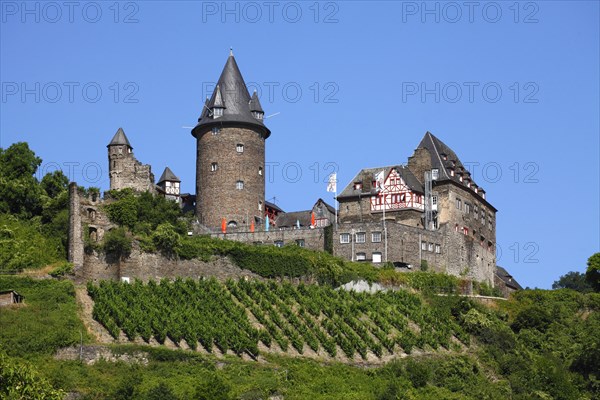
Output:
x=332 y=183
x=379 y=180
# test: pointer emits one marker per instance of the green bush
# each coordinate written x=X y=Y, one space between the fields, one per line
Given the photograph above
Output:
x=64 y=268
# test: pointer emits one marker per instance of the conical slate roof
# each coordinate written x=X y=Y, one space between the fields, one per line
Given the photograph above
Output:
x=168 y=175
x=119 y=139
x=255 y=103
x=232 y=94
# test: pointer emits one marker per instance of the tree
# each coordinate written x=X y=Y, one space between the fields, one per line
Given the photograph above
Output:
x=162 y=391
x=20 y=192
x=166 y=239
x=573 y=280
x=592 y=274
x=54 y=183
x=213 y=389
x=117 y=244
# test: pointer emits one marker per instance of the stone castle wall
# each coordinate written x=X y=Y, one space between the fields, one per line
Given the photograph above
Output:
x=127 y=172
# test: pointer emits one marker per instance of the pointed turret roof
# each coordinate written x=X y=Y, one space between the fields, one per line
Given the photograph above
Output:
x=119 y=139
x=255 y=103
x=231 y=92
x=168 y=175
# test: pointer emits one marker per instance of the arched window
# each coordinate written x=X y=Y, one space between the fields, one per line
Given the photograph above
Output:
x=214 y=166
x=232 y=224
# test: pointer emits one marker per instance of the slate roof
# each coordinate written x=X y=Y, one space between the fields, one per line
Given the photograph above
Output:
x=255 y=103
x=232 y=93
x=437 y=149
x=168 y=175
x=507 y=278
x=273 y=206
x=328 y=206
x=289 y=219
x=119 y=139
x=367 y=175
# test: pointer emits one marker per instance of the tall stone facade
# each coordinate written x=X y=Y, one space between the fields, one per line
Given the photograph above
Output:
x=230 y=159
x=124 y=169
x=460 y=239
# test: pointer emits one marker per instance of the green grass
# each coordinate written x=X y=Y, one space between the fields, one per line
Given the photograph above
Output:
x=45 y=322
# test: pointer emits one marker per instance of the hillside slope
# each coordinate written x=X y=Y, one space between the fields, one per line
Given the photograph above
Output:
x=538 y=345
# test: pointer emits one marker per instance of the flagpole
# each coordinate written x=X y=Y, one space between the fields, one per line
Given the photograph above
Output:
x=384 y=230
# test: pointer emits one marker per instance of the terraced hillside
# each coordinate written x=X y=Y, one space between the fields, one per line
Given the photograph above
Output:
x=243 y=316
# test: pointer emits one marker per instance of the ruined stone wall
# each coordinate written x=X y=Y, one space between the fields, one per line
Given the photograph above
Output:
x=127 y=172
x=146 y=266
x=219 y=167
x=75 y=238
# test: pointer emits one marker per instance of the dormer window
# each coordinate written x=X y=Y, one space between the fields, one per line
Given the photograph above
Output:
x=357 y=185
x=217 y=112
x=460 y=177
x=258 y=115
x=435 y=174
x=444 y=156
x=451 y=171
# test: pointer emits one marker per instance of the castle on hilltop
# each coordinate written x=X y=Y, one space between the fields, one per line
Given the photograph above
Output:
x=427 y=212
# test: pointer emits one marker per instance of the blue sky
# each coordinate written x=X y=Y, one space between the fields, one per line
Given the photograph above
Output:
x=513 y=88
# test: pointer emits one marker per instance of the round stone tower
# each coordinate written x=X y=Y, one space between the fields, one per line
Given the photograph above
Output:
x=230 y=154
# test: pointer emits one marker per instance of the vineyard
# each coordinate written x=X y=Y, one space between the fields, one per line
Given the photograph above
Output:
x=239 y=316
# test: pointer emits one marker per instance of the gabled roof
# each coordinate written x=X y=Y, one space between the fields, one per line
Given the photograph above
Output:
x=507 y=278
x=367 y=175
x=273 y=206
x=330 y=208
x=168 y=175
x=119 y=139
x=438 y=149
x=232 y=94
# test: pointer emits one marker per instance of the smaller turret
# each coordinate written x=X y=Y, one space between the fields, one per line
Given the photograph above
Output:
x=124 y=170
x=168 y=185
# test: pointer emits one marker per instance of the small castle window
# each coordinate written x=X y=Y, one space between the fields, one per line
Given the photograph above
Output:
x=260 y=206
x=360 y=237
x=430 y=247
x=438 y=249
x=214 y=166
x=376 y=237
x=279 y=243
x=344 y=238
x=300 y=242
x=458 y=204
x=239 y=148
x=129 y=150
x=451 y=172
x=423 y=245
x=376 y=257
x=216 y=130
x=260 y=171
x=239 y=185
x=435 y=174
x=114 y=163
x=361 y=256
x=232 y=224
